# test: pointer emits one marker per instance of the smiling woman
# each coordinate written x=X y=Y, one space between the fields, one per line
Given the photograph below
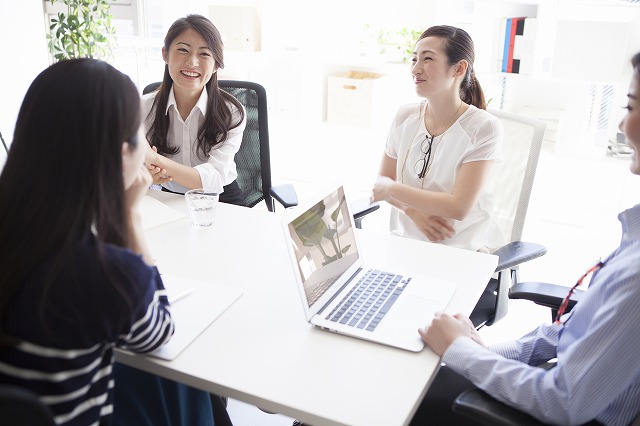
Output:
x=194 y=130
x=193 y=127
x=440 y=151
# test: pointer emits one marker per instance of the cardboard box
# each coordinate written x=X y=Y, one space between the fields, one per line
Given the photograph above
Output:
x=357 y=98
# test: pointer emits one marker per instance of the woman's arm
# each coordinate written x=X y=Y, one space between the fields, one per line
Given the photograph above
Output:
x=186 y=176
x=454 y=205
x=435 y=228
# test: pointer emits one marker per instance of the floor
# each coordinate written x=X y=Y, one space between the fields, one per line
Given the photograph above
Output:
x=572 y=211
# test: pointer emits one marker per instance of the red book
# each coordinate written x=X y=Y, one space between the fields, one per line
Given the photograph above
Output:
x=512 y=39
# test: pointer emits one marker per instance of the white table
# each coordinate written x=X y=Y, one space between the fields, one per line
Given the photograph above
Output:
x=262 y=350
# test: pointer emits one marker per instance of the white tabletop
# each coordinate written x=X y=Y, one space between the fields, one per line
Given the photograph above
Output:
x=262 y=350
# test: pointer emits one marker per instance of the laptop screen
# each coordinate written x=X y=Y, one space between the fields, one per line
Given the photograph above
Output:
x=324 y=244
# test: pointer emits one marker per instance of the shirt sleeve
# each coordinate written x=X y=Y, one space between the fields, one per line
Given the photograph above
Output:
x=406 y=119
x=592 y=370
x=151 y=323
x=486 y=140
x=220 y=168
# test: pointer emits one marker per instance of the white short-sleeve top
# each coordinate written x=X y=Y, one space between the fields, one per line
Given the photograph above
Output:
x=475 y=136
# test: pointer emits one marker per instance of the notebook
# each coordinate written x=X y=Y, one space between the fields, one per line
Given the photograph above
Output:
x=194 y=306
x=329 y=268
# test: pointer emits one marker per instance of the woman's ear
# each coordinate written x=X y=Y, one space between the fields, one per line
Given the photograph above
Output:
x=165 y=55
x=460 y=69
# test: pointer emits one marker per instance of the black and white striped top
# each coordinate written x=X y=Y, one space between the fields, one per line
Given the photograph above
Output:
x=67 y=334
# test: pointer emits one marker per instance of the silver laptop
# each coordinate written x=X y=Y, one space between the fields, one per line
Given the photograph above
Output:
x=342 y=293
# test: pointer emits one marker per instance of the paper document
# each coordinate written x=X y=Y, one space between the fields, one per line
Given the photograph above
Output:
x=155 y=213
x=196 y=304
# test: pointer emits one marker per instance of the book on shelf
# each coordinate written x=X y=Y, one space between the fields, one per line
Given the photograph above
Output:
x=517 y=40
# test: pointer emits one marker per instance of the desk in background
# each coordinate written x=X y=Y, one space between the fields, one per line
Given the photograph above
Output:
x=262 y=350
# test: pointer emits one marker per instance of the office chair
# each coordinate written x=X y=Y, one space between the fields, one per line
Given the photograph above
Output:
x=510 y=182
x=252 y=160
x=485 y=410
x=21 y=407
x=6 y=148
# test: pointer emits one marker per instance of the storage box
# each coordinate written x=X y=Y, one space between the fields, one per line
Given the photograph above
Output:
x=358 y=98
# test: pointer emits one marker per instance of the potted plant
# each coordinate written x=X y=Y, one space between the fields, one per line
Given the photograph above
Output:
x=84 y=31
x=397 y=44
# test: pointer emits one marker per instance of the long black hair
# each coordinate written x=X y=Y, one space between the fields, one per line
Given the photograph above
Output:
x=458 y=45
x=63 y=175
x=218 y=120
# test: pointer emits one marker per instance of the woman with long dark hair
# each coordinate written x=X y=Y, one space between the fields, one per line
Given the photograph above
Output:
x=76 y=276
x=439 y=152
x=194 y=127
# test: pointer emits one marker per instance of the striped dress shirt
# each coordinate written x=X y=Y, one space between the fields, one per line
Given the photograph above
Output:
x=66 y=335
x=597 y=346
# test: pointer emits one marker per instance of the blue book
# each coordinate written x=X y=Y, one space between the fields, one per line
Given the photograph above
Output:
x=507 y=38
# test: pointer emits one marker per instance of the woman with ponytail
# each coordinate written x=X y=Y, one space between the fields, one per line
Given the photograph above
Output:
x=439 y=152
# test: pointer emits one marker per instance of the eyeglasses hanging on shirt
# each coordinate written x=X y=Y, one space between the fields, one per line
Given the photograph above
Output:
x=565 y=302
x=423 y=165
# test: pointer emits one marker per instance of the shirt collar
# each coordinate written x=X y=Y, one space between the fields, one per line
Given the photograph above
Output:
x=201 y=104
x=630 y=220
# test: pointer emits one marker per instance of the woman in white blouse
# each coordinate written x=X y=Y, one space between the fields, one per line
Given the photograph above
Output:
x=440 y=151
x=193 y=127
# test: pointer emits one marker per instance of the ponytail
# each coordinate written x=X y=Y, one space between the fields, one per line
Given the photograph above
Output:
x=471 y=92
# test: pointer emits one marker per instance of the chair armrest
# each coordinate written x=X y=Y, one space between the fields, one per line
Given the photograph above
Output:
x=482 y=408
x=362 y=207
x=285 y=194
x=549 y=295
x=516 y=253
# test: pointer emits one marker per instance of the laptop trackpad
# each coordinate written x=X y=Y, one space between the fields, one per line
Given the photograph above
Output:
x=413 y=312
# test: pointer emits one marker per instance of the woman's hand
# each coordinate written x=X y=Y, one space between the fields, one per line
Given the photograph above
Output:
x=381 y=189
x=435 y=228
x=138 y=188
x=445 y=328
x=151 y=155
x=158 y=174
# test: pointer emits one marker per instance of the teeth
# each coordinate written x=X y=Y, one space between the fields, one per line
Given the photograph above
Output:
x=190 y=73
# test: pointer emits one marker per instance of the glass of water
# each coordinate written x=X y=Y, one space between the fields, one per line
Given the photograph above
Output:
x=202 y=206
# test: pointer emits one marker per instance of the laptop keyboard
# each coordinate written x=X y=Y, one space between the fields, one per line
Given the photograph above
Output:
x=369 y=300
x=320 y=289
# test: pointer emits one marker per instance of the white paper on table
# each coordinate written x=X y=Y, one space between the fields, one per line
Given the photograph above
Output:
x=196 y=305
x=155 y=213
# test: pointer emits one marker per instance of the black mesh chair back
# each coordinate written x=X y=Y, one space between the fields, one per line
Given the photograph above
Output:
x=252 y=160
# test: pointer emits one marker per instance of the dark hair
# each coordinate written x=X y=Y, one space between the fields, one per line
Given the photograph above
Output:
x=218 y=120
x=635 y=62
x=458 y=45
x=65 y=165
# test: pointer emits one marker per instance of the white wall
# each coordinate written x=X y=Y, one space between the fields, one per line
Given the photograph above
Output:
x=23 y=49
x=299 y=52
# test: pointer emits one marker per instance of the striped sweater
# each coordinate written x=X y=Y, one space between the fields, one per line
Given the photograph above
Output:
x=67 y=335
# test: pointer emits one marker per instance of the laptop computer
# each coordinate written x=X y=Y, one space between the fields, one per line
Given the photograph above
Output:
x=330 y=272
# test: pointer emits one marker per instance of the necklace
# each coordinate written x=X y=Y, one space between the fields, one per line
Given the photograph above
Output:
x=428 y=153
x=451 y=120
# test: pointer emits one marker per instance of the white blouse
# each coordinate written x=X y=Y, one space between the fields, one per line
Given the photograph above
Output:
x=475 y=136
x=216 y=171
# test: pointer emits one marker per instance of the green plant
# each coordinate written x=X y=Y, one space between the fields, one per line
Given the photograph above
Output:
x=85 y=31
x=403 y=40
